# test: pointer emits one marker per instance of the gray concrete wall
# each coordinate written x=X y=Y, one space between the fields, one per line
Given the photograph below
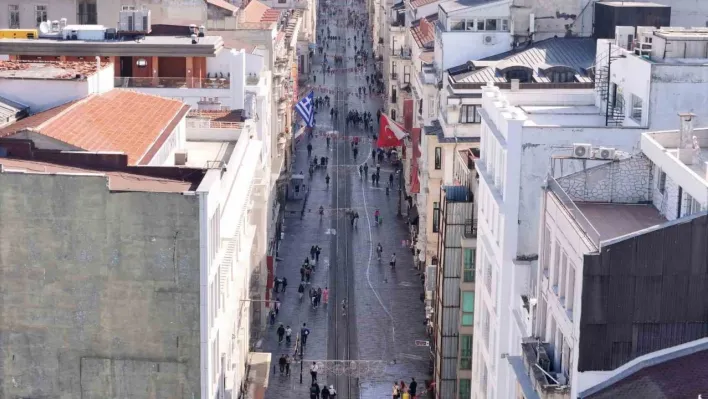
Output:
x=99 y=291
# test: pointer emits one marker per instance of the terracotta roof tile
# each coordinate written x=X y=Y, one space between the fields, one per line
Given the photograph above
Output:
x=256 y=12
x=424 y=32
x=119 y=120
x=223 y=4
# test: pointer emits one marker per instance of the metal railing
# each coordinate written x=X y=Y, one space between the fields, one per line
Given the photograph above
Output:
x=197 y=123
x=574 y=212
x=470 y=228
x=173 y=83
x=403 y=52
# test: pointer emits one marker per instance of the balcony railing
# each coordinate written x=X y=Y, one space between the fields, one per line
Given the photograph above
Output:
x=201 y=123
x=546 y=380
x=574 y=212
x=173 y=83
x=403 y=52
x=470 y=228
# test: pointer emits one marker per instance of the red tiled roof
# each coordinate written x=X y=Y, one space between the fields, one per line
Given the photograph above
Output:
x=256 y=11
x=424 y=32
x=419 y=3
x=223 y=4
x=271 y=15
x=119 y=120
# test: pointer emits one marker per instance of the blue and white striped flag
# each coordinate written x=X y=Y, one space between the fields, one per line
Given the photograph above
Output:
x=306 y=109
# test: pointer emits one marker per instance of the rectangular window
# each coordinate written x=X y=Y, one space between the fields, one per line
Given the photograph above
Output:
x=394 y=98
x=436 y=217
x=465 y=388
x=546 y=250
x=468 y=308
x=431 y=106
x=505 y=25
x=480 y=24
x=465 y=352
x=457 y=24
x=438 y=158
x=394 y=71
x=14 y=11
x=468 y=266
x=562 y=276
x=661 y=181
x=127 y=8
x=40 y=13
x=637 y=104
x=556 y=265
x=570 y=296
x=469 y=114
x=692 y=206
x=490 y=24
x=406 y=74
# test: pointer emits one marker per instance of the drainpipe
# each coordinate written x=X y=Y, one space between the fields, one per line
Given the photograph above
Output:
x=98 y=74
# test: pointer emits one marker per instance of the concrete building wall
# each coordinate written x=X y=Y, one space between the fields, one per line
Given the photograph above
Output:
x=100 y=290
x=677 y=88
x=41 y=95
x=56 y=10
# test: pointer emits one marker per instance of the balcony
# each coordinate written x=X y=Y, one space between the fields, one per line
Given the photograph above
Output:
x=545 y=380
x=173 y=83
x=402 y=52
x=470 y=228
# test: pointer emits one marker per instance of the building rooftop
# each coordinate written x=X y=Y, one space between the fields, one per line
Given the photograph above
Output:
x=613 y=220
x=117 y=180
x=675 y=33
x=257 y=12
x=435 y=129
x=119 y=120
x=540 y=58
x=62 y=70
x=165 y=46
x=423 y=31
x=10 y=111
x=679 y=375
x=668 y=143
x=562 y=115
x=631 y=4
x=420 y=3
x=223 y=5
x=208 y=154
x=457 y=5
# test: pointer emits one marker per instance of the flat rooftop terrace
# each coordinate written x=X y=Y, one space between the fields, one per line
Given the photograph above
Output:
x=612 y=220
x=59 y=70
x=165 y=46
x=117 y=181
x=205 y=154
x=563 y=115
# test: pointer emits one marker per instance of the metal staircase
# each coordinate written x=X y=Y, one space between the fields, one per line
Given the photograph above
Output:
x=614 y=104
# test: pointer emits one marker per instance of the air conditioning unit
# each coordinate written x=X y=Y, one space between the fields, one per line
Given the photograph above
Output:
x=137 y=21
x=489 y=39
x=581 y=150
x=605 y=153
x=180 y=158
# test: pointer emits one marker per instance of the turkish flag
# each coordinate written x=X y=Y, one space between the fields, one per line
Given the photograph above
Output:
x=390 y=133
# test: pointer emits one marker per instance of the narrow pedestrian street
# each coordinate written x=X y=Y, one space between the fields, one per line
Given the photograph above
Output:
x=362 y=350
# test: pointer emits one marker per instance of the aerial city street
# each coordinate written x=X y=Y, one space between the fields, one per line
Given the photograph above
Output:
x=353 y=199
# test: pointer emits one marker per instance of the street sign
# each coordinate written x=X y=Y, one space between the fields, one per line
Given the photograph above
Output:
x=419 y=342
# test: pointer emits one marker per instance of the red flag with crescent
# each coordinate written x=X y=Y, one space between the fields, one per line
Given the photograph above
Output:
x=390 y=133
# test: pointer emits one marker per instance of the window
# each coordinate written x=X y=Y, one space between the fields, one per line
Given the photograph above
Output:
x=465 y=352
x=436 y=217
x=570 y=296
x=661 y=181
x=490 y=24
x=394 y=98
x=394 y=71
x=406 y=74
x=637 y=104
x=87 y=13
x=469 y=114
x=563 y=76
x=562 y=276
x=480 y=24
x=692 y=206
x=14 y=11
x=468 y=308
x=40 y=13
x=393 y=114
x=438 y=158
x=505 y=25
x=556 y=265
x=431 y=106
x=468 y=265
x=127 y=8
x=546 y=250
x=458 y=24
x=518 y=73
x=465 y=388
x=420 y=107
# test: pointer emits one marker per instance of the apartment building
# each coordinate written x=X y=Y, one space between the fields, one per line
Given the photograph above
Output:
x=177 y=213
x=614 y=283
x=518 y=140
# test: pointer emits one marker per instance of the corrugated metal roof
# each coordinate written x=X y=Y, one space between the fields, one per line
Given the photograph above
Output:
x=11 y=111
x=577 y=54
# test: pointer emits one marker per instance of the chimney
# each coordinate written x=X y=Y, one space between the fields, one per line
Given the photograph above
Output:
x=685 y=150
x=514 y=84
x=424 y=27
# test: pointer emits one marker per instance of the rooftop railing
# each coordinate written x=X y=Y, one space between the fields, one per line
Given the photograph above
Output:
x=574 y=212
x=173 y=83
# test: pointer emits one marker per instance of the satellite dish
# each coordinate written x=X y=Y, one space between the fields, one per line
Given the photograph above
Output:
x=44 y=27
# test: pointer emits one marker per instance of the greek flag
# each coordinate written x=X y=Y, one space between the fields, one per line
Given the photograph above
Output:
x=306 y=109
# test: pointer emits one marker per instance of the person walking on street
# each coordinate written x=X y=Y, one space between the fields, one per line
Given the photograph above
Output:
x=390 y=180
x=281 y=333
x=283 y=284
x=301 y=290
x=412 y=387
x=304 y=332
x=325 y=295
x=332 y=392
x=288 y=333
x=308 y=274
x=396 y=391
x=325 y=392
x=377 y=214
x=313 y=249
x=356 y=218
x=282 y=362
x=393 y=261
x=277 y=284
x=276 y=305
x=309 y=150
x=288 y=360
x=379 y=250
x=318 y=251
x=313 y=372
x=314 y=391
x=272 y=317
x=344 y=307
